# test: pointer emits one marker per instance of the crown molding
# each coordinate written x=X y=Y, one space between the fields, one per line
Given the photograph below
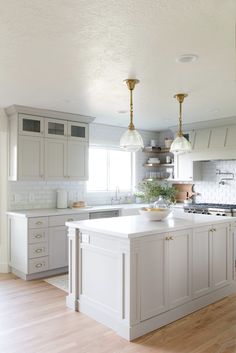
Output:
x=21 y=109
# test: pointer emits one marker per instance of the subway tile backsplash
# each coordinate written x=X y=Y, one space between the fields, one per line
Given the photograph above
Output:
x=209 y=188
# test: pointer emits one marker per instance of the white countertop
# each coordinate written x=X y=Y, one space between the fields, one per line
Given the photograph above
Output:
x=67 y=211
x=136 y=226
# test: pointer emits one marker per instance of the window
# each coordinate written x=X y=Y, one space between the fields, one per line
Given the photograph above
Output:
x=109 y=169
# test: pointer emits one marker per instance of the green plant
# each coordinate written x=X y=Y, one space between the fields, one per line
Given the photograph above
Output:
x=150 y=190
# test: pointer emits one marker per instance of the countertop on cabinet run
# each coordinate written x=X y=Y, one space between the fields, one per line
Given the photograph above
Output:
x=45 y=212
x=136 y=226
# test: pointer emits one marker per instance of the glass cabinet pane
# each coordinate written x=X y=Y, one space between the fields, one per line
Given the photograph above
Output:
x=56 y=129
x=77 y=131
x=31 y=125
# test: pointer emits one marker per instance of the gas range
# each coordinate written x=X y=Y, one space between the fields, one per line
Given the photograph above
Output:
x=215 y=209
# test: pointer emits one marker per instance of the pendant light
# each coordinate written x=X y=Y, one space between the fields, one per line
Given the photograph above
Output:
x=180 y=143
x=131 y=140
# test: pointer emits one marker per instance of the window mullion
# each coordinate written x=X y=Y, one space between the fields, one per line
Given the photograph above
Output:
x=108 y=170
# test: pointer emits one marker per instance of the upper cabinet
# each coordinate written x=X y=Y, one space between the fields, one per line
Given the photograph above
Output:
x=47 y=148
x=31 y=125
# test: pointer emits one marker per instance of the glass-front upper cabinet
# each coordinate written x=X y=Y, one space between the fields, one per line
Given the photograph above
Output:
x=31 y=125
x=55 y=128
x=77 y=131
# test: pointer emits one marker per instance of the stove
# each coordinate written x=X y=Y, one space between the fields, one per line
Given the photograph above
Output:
x=215 y=209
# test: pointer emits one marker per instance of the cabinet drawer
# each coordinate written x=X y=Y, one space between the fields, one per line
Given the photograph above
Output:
x=38 y=250
x=38 y=235
x=55 y=221
x=38 y=265
x=38 y=222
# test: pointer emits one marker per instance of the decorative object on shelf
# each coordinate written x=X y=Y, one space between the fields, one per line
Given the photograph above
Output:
x=131 y=140
x=180 y=143
x=168 y=160
x=168 y=142
x=151 y=190
x=153 y=143
x=154 y=160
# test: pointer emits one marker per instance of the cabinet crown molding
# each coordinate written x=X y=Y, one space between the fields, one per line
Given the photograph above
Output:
x=21 y=109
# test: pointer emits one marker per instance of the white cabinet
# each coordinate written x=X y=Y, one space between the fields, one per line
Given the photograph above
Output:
x=165 y=263
x=201 y=261
x=31 y=158
x=31 y=125
x=220 y=256
x=55 y=128
x=45 y=148
x=58 y=247
x=77 y=131
x=179 y=267
x=77 y=159
x=186 y=169
x=211 y=258
x=39 y=245
x=55 y=159
x=153 y=261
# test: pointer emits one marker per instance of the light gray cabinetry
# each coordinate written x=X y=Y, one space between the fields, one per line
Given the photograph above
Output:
x=44 y=148
x=30 y=158
x=165 y=276
x=211 y=258
x=39 y=245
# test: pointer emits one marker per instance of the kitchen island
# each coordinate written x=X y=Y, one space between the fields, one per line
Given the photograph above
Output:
x=135 y=276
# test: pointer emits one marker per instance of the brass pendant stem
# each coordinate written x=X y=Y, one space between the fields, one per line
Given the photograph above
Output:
x=180 y=98
x=131 y=84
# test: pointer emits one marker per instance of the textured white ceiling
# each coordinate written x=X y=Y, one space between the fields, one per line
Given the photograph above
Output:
x=72 y=55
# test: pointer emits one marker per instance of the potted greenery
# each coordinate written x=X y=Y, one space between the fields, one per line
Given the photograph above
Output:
x=150 y=190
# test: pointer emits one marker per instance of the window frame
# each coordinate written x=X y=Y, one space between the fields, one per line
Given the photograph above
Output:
x=132 y=166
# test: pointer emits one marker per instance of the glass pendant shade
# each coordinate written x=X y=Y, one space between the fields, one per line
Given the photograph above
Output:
x=180 y=145
x=131 y=141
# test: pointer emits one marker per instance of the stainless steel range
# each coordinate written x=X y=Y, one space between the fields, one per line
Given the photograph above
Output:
x=211 y=209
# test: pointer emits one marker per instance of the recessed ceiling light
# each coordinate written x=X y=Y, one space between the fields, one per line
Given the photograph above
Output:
x=186 y=58
x=122 y=111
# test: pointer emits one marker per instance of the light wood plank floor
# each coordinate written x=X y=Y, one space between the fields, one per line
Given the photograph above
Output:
x=34 y=319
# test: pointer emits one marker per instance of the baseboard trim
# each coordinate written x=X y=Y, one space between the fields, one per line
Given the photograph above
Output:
x=39 y=275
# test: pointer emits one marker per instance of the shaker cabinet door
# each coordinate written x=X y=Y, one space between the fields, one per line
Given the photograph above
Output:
x=55 y=159
x=179 y=263
x=77 y=159
x=153 y=275
x=202 y=242
x=58 y=247
x=220 y=255
x=31 y=158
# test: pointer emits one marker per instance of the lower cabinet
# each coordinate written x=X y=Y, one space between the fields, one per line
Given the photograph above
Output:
x=211 y=258
x=183 y=265
x=167 y=261
x=58 y=247
x=39 y=244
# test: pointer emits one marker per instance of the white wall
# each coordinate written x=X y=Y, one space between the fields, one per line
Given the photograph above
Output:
x=3 y=192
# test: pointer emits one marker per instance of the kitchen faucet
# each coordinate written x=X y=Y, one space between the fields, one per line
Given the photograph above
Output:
x=117 y=198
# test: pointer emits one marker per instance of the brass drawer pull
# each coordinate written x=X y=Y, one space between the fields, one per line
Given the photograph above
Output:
x=70 y=219
x=39 y=222
x=38 y=251
x=39 y=265
x=38 y=236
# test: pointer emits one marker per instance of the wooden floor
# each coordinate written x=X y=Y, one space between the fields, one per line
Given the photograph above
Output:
x=34 y=319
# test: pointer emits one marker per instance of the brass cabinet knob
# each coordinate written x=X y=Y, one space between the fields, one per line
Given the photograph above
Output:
x=171 y=238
